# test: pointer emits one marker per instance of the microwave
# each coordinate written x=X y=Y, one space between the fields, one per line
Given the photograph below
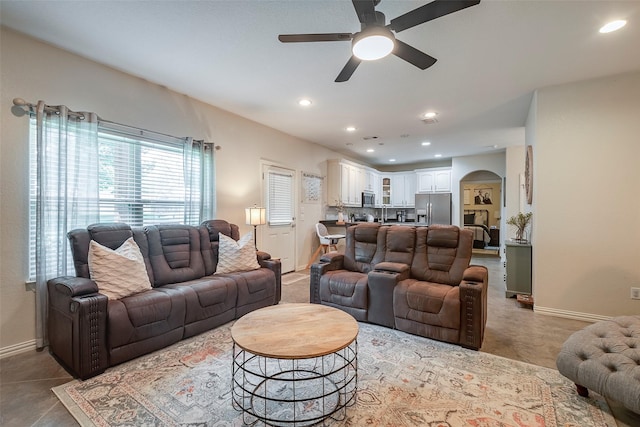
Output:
x=368 y=200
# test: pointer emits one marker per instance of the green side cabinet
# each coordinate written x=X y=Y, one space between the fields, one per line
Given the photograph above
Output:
x=518 y=269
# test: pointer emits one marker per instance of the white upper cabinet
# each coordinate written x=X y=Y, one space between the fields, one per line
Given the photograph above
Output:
x=345 y=182
x=433 y=180
x=403 y=189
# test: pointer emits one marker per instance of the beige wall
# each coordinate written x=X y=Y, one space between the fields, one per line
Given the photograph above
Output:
x=33 y=71
x=586 y=223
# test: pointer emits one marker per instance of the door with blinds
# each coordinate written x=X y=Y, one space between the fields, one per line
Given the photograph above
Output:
x=279 y=232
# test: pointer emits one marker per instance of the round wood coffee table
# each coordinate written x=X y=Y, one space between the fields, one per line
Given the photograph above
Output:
x=294 y=364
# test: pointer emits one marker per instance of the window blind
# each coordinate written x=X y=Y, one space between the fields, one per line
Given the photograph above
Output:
x=141 y=180
x=280 y=202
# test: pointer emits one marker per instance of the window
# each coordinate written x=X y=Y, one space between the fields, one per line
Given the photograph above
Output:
x=279 y=197
x=142 y=180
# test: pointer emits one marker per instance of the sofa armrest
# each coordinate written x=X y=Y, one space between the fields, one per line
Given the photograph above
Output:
x=381 y=283
x=328 y=262
x=394 y=267
x=263 y=256
x=475 y=273
x=74 y=286
x=334 y=257
x=77 y=325
x=275 y=266
x=473 y=306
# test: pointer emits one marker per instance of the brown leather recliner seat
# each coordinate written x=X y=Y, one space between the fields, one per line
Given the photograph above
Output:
x=430 y=302
x=343 y=281
x=419 y=281
x=88 y=332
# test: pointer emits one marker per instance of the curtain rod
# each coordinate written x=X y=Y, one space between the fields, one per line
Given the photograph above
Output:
x=19 y=102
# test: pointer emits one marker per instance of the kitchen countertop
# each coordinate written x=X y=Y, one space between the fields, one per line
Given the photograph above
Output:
x=334 y=223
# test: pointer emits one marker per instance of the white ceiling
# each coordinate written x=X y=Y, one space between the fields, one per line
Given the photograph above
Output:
x=491 y=57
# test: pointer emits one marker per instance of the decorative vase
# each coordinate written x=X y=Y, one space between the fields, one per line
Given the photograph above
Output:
x=340 y=217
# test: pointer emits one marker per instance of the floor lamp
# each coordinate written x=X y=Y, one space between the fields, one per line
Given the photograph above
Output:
x=255 y=216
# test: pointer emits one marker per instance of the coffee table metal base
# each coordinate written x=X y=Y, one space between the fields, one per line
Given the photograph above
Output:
x=294 y=392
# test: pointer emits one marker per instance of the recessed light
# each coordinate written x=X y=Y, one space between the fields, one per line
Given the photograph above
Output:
x=370 y=150
x=438 y=155
x=350 y=129
x=426 y=143
x=430 y=115
x=305 y=102
x=613 y=26
x=392 y=160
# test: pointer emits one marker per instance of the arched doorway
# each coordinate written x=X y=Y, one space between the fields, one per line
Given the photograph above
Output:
x=482 y=203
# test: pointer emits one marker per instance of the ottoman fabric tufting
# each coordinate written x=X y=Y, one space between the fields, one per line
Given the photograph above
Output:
x=605 y=357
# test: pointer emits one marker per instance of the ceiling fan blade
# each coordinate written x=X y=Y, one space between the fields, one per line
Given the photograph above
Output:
x=428 y=12
x=348 y=69
x=365 y=9
x=413 y=55
x=328 y=37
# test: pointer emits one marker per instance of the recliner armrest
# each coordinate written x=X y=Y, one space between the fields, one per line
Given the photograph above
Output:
x=275 y=266
x=77 y=325
x=475 y=273
x=393 y=267
x=262 y=256
x=473 y=306
x=332 y=257
x=74 y=286
x=328 y=262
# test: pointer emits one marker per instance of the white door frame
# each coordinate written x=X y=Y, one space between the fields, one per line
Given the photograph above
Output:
x=265 y=165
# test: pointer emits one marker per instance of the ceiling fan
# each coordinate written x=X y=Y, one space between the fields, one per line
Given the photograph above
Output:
x=376 y=40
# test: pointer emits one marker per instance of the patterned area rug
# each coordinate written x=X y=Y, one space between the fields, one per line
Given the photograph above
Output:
x=403 y=380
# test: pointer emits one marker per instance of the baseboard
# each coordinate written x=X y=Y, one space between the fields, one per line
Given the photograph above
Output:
x=17 y=348
x=575 y=315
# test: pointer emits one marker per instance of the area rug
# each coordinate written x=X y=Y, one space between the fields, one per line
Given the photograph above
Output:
x=403 y=380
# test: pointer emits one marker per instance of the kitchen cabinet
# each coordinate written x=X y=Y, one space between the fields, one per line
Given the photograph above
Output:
x=372 y=184
x=403 y=189
x=433 y=180
x=385 y=190
x=518 y=269
x=345 y=183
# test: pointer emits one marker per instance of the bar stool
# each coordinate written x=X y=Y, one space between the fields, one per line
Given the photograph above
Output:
x=327 y=241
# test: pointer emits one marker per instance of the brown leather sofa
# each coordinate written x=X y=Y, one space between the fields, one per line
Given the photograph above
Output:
x=415 y=279
x=88 y=332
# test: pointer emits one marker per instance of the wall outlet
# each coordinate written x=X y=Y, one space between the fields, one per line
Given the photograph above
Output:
x=635 y=293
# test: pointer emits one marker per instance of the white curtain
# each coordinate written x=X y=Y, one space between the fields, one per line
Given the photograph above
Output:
x=199 y=174
x=67 y=194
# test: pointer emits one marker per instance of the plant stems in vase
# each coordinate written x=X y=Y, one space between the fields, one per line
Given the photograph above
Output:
x=520 y=221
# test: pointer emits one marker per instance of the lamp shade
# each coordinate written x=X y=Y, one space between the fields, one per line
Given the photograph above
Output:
x=255 y=216
x=373 y=43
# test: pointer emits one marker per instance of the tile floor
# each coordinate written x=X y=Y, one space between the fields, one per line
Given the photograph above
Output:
x=512 y=331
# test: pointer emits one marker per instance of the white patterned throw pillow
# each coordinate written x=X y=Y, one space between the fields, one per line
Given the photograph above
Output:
x=118 y=273
x=236 y=256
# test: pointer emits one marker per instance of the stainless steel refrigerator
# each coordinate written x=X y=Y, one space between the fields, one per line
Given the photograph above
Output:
x=433 y=208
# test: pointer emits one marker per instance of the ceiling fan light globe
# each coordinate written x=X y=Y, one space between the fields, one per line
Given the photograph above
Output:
x=373 y=43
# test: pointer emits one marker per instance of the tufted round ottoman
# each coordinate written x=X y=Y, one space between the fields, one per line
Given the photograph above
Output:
x=605 y=358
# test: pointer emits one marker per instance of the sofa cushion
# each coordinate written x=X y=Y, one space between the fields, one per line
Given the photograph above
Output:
x=210 y=302
x=174 y=252
x=428 y=303
x=237 y=256
x=210 y=231
x=361 y=251
x=143 y=317
x=120 y=272
x=442 y=254
x=346 y=290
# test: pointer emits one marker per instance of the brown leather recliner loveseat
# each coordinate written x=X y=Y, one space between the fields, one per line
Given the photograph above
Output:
x=415 y=279
x=89 y=332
